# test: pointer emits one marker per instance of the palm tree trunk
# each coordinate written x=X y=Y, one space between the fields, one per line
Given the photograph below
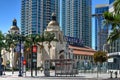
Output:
x=12 y=62
x=49 y=46
x=42 y=53
x=97 y=70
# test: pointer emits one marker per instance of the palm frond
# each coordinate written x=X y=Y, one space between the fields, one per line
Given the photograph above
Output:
x=111 y=19
x=117 y=6
x=115 y=34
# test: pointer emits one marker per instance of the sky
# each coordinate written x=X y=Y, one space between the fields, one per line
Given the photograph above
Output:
x=10 y=9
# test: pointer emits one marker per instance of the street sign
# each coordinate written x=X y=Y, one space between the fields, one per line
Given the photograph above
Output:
x=22 y=58
x=17 y=48
x=110 y=60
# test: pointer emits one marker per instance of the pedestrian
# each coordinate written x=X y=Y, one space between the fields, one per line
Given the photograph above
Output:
x=111 y=74
x=116 y=74
x=41 y=69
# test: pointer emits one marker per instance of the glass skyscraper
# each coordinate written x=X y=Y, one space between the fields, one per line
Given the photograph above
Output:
x=101 y=31
x=111 y=1
x=36 y=14
x=76 y=19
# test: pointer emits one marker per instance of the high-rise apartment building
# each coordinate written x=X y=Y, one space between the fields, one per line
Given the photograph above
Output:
x=114 y=46
x=101 y=31
x=114 y=49
x=76 y=19
x=35 y=15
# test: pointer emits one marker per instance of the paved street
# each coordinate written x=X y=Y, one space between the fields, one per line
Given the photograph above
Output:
x=40 y=76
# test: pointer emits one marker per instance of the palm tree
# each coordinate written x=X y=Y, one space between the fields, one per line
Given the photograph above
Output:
x=9 y=44
x=1 y=41
x=29 y=41
x=49 y=37
x=1 y=46
x=117 y=6
x=11 y=41
x=114 y=21
x=114 y=35
x=33 y=38
x=41 y=41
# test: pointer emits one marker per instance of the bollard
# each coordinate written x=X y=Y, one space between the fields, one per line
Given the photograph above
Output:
x=24 y=70
x=111 y=74
x=116 y=74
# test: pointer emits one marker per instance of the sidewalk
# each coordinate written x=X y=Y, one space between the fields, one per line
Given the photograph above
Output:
x=81 y=76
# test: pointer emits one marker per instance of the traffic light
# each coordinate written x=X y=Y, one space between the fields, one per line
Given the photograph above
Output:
x=34 y=60
x=34 y=49
x=24 y=62
x=34 y=53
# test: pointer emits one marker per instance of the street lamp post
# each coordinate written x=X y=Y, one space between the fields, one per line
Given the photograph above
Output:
x=20 y=71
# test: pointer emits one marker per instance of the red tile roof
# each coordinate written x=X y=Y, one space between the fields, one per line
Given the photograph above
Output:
x=82 y=50
x=83 y=53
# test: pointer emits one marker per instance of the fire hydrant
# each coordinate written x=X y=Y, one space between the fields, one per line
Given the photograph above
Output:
x=111 y=74
x=116 y=74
